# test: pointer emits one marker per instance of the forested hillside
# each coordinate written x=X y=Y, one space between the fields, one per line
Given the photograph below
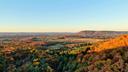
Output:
x=110 y=55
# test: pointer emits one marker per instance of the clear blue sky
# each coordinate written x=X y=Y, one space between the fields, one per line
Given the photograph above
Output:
x=63 y=15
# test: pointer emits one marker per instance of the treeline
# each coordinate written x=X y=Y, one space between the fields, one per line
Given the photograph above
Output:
x=77 y=59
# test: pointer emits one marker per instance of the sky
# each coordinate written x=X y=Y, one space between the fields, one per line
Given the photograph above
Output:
x=63 y=15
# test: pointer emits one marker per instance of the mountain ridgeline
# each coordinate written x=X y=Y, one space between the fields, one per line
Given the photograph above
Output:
x=100 y=34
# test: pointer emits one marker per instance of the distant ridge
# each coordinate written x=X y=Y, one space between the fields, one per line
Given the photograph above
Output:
x=100 y=34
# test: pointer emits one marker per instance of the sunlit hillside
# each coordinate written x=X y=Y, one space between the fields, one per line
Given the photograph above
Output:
x=120 y=41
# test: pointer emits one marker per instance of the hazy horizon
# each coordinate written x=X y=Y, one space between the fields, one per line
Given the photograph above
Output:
x=63 y=15
x=58 y=31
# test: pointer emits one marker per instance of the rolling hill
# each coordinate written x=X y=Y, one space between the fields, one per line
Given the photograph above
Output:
x=120 y=41
x=100 y=34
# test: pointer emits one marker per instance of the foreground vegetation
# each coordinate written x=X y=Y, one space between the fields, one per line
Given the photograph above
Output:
x=61 y=57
